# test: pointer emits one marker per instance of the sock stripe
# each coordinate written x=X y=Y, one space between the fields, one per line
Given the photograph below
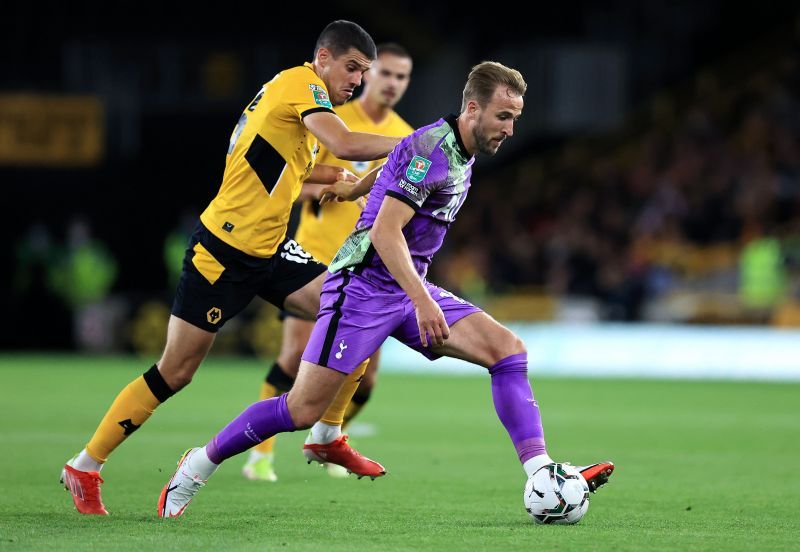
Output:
x=279 y=379
x=157 y=385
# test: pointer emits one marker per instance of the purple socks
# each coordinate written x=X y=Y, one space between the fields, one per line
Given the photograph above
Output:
x=511 y=391
x=516 y=407
x=259 y=421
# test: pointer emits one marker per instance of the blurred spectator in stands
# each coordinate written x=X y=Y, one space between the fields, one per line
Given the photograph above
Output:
x=83 y=276
x=762 y=273
x=675 y=206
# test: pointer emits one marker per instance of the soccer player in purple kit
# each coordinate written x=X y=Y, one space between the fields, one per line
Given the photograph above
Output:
x=377 y=288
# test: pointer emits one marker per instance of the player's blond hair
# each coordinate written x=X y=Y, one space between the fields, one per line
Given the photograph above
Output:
x=485 y=77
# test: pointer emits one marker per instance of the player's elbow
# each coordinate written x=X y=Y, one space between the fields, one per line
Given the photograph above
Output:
x=375 y=235
x=380 y=235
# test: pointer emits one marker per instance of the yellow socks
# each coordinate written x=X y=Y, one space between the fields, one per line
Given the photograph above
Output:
x=335 y=414
x=132 y=407
x=356 y=404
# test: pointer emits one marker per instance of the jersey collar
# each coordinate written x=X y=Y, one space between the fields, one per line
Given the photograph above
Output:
x=452 y=120
x=309 y=65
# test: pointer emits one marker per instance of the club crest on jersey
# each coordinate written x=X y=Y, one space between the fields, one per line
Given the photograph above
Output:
x=320 y=96
x=417 y=169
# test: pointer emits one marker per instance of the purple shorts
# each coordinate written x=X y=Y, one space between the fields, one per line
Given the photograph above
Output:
x=356 y=317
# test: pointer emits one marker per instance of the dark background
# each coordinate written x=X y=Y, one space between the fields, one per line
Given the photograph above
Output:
x=167 y=125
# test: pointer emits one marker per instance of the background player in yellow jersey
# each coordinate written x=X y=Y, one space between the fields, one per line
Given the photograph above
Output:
x=322 y=231
x=239 y=248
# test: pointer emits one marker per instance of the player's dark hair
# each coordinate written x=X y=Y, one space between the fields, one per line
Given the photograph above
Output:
x=485 y=77
x=341 y=35
x=394 y=49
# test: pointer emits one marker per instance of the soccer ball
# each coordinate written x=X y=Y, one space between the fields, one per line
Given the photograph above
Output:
x=556 y=493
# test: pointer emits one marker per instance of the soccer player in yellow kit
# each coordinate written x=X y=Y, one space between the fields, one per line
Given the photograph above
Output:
x=239 y=248
x=322 y=231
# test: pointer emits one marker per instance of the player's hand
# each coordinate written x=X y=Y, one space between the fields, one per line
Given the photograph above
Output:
x=344 y=174
x=431 y=322
x=341 y=190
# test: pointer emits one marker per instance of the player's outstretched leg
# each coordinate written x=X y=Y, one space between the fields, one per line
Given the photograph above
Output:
x=186 y=347
x=480 y=339
x=131 y=408
x=313 y=391
x=259 y=421
x=260 y=465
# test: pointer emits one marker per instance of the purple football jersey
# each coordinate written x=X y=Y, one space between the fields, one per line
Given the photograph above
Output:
x=428 y=170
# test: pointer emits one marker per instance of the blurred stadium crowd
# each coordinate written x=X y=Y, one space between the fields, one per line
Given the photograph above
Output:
x=688 y=212
x=695 y=217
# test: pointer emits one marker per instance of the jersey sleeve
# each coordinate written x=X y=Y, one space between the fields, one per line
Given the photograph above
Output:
x=414 y=176
x=304 y=93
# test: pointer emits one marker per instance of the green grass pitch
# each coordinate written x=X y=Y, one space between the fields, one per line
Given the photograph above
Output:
x=700 y=466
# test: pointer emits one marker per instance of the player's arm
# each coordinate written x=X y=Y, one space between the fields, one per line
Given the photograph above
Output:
x=328 y=174
x=321 y=177
x=344 y=143
x=387 y=238
x=346 y=190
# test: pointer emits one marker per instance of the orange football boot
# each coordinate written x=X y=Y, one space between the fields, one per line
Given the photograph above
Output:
x=339 y=452
x=596 y=475
x=85 y=489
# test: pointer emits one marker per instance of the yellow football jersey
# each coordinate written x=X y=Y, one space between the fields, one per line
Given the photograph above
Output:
x=322 y=230
x=271 y=153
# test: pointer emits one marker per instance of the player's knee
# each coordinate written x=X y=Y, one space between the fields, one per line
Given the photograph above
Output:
x=177 y=379
x=517 y=345
x=179 y=364
x=305 y=301
x=289 y=359
x=509 y=344
x=304 y=418
x=305 y=413
x=178 y=373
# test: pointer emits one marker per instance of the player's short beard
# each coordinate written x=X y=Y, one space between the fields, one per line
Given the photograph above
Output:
x=482 y=141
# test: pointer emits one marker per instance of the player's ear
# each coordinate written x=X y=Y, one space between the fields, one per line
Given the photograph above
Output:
x=473 y=108
x=324 y=55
